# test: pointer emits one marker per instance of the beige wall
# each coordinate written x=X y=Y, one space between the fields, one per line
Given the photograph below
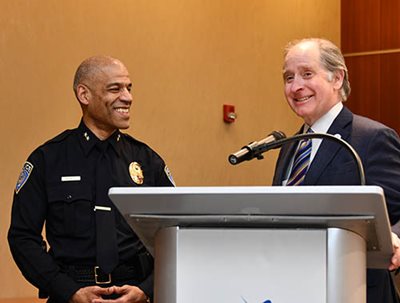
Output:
x=186 y=57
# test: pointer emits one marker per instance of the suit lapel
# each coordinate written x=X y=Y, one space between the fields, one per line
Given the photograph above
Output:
x=328 y=148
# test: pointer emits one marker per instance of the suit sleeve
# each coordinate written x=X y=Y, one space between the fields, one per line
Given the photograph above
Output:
x=25 y=235
x=382 y=168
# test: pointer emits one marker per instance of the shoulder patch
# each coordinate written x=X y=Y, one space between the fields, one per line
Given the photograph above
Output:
x=169 y=175
x=24 y=176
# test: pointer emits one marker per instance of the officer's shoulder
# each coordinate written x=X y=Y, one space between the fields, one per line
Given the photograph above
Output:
x=133 y=141
x=59 y=138
x=49 y=145
x=137 y=144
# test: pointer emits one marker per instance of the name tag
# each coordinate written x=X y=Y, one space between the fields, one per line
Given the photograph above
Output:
x=105 y=208
x=70 y=178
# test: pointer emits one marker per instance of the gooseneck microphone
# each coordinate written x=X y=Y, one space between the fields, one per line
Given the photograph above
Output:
x=259 y=149
x=248 y=152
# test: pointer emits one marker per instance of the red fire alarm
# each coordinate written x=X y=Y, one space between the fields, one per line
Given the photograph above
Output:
x=229 y=113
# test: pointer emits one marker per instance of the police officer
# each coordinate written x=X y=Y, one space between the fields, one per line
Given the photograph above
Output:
x=63 y=185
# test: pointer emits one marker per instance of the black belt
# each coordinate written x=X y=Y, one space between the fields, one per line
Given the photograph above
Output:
x=94 y=274
x=137 y=270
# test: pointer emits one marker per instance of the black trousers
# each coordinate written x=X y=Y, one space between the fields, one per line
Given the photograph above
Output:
x=381 y=287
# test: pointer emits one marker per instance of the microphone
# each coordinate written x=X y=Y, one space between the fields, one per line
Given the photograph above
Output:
x=262 y=148
x=247 y=152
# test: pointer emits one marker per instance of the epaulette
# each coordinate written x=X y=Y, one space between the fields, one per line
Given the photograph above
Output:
x=132 y=139
x=60 y=137
x=140 y=144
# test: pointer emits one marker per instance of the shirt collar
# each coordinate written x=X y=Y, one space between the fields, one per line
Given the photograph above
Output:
x=115 y=141
x=89 y=140
x=323 y=124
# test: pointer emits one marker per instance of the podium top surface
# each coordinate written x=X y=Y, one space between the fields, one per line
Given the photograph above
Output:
x=273 y=200
x=361 y=209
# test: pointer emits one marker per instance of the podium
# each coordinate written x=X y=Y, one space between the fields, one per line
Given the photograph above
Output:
x=260 y=244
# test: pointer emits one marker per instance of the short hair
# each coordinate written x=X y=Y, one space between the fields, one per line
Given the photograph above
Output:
x=331 y=59
x=90 y=67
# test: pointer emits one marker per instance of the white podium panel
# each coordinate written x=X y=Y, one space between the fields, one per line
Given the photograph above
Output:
x=260 y=266
x=241 y=265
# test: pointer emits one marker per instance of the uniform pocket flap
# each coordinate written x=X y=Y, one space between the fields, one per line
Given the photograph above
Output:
x=69 y=193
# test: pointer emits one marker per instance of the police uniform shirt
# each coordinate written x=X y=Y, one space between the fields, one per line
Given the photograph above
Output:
x=57 y=186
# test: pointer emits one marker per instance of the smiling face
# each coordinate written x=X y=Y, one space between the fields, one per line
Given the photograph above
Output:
x=310 y=90
x=105 y=96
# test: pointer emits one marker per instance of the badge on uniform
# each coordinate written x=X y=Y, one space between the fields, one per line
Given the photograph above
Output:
x=169 y=175
x=135 y=170
x=23 y=177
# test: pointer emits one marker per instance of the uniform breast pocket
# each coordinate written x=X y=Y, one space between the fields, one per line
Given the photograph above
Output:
x=70 y=209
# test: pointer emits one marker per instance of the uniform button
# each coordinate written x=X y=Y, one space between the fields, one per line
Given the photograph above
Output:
x=69 y=197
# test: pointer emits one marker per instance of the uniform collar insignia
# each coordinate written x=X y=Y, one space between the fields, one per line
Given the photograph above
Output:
x=115 y=140
x=88 y=139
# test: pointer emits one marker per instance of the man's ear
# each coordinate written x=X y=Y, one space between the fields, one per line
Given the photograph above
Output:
x=338 y=77
x=83 y=94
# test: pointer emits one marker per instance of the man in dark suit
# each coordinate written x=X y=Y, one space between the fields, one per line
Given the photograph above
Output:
x=316 y=85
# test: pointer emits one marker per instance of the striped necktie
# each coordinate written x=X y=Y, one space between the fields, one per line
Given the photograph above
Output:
x=301 y=162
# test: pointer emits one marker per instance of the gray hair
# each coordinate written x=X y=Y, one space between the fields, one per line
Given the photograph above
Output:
x=331 y=59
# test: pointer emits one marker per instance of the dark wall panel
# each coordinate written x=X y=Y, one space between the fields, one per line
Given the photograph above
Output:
x=365 y=85
x=369 y=25
x=390 y=83
x=360 y=20
x=390 y=24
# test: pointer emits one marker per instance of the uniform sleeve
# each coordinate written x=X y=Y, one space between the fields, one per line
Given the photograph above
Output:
x=147 y=286
x=166 y=178
x=164 y=174
x=382 y=168
x=25 y=239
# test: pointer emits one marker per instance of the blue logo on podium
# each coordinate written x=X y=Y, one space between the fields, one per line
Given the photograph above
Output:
x=266 y=301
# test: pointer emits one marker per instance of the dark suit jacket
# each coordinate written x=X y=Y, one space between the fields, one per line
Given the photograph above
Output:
x=379 y=149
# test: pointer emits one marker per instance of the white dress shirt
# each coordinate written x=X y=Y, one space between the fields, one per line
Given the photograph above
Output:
x=322 y=125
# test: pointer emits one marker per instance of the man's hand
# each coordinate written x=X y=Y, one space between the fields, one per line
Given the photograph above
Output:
x=395 y=261
x=86 y=294
x=128 y=294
